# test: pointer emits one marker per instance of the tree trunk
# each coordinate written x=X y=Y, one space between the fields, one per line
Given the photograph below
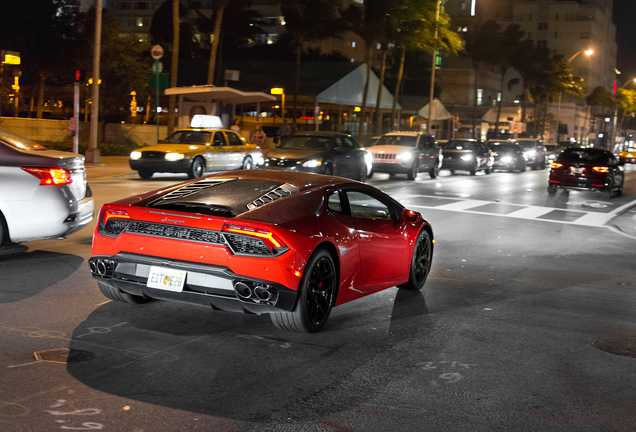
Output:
x=474 y=101
x=363 y=108
x=297 y=89
x=377 y=117
x=40 y=107
x=501 y=90
x=172 y=102
x=215 y=41
x=397 y=87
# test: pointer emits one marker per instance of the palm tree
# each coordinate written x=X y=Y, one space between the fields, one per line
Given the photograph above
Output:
x=172 y=101
x=511 y=46
x=219 y=9
x=307 y=21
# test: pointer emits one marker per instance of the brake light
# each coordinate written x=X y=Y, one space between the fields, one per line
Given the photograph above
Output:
x=114 y=214
x=50 y=176
x=255 y=232
x=601 y=169
x=113 y=222
x=555 y=165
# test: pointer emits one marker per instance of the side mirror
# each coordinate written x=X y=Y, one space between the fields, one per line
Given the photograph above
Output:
x=410 y=215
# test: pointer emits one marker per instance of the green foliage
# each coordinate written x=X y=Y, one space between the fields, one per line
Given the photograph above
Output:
x=120 y=148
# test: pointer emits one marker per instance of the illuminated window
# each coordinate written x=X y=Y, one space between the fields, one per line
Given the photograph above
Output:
x=480 y=96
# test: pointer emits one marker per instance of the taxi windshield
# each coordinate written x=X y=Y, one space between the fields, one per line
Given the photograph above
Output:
x=188 y=137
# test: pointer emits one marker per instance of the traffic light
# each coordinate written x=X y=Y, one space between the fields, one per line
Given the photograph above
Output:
x=80 y=75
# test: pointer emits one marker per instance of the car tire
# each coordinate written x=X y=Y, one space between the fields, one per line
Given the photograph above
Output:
x=117 y=295
x=362 y=177
x=316 y=297
x=248 y=163
x=523 y=167
x=552 y=190
x=145 y=174
x=543 y=163
x=420 y=262
x=473 y=169
x=415 y=169
x=370 y=175
x=452 y=172
x=3 y=231
x=488 y=170
x=434 y=171
x=197 y=168
x=328 y=169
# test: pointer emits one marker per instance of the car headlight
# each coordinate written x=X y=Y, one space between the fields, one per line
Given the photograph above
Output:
x=552 y=157
x=368 y=158
x=312 y=163
x=529 y=154
x=506 y=159
x=135 y=155
x=404 y=156
x=467 y=157
x=174 y=156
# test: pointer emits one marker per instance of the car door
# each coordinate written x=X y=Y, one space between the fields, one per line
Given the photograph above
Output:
x=382 y=245
x=342 y=156
x=236 y=150
x=219 y=155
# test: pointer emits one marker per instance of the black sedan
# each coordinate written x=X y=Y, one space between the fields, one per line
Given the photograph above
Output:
x=329 y=153
x=507 y=156
x=466 y=154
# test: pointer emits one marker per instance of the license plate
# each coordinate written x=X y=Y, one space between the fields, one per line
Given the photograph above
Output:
x=166 y=279
x=576 y=170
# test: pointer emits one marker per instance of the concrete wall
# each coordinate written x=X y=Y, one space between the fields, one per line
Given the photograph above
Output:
x=58 y=130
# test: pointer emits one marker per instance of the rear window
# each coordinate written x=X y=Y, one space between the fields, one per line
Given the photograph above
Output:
x=307 y=143
x=188 y=137
x=528 y=144
x=401 y=140
x=583 y=155
x=503 y=147
x=17 y=142
x=459 y=145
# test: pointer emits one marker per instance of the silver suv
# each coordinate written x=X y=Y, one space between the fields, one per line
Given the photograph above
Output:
x=406 y=153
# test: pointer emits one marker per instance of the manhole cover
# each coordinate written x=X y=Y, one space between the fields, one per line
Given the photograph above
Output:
x=620 y=346
x=63 y=355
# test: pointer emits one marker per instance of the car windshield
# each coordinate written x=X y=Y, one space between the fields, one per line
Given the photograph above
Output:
x=401 y=140
x=583 y=155
x=15 y=141
x=503 y=147
x=527 y=144
x=551 y=147
x=304 y=142
x=459 y=145
x=188 y=137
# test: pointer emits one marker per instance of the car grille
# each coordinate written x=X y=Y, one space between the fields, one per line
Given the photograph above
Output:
x=383 y=156
x=153 y=155
x=284 y=163
x=177 y=232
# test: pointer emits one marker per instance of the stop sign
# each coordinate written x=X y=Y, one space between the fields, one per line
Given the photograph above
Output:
x=156 y=52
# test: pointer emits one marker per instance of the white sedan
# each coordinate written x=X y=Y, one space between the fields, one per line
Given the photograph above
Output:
x=43 y=193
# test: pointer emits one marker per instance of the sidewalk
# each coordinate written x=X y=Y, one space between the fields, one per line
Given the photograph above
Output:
x=110 y=166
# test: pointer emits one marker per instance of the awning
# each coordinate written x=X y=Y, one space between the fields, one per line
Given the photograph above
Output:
x=439 y=111
x=224 y=94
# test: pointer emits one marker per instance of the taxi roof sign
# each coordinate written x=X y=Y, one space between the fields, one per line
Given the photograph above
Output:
x=206 y=121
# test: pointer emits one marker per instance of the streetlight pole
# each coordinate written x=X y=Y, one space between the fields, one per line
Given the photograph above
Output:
x=588 y=53
x=433 y=60
x=92 y=153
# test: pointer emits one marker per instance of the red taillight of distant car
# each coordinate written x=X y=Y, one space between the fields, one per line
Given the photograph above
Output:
x=601 y=169
x=50 y=176
x=556 y=165
x=268 y=236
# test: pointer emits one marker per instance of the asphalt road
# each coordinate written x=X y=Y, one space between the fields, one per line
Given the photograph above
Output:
x=504 y=335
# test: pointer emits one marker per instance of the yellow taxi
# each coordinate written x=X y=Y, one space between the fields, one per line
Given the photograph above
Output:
x=194 y=151
x=628 y=155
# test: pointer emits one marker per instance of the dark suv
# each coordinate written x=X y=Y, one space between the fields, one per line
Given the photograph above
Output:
x=468 y=155
x=406 y=153
x=533 y=151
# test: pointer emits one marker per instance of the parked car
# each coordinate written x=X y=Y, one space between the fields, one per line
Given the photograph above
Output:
x=195 y=151
x=44 y=193
x=507 y=156
x=288 y=244
x=406 y=153
x=587 y=169
x=534 y=152
x=329 y=153
x=628 y=155
x=468 y=155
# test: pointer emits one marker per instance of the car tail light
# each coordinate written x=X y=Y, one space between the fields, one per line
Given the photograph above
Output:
x=269 y=237
x=555 y=165
x=601 y=169
x=113 y=222
x=50 y=176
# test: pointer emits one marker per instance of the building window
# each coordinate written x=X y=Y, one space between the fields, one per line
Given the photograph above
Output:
x=142 y=6
x=543 y=26
x=123 y=5
x=480 y=96
x=463 y=6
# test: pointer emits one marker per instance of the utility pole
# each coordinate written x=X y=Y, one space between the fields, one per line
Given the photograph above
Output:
x=92 y=153
x=433 y=60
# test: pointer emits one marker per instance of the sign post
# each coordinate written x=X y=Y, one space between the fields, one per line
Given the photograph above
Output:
x=157 y=68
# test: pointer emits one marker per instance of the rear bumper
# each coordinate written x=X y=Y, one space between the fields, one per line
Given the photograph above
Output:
x=579 y=184
x=205 y=285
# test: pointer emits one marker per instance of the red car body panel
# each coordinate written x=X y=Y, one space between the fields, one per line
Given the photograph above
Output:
x=370 y=255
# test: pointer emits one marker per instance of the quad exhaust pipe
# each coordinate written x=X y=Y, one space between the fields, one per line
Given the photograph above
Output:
x=250 y=291
x=101 y=267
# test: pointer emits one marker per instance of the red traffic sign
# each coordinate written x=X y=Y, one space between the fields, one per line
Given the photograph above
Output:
x=156 y=52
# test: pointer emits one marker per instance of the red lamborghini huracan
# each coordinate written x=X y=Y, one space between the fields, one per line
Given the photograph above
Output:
x=292 y=245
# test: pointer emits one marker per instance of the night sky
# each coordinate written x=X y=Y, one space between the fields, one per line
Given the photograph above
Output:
x=625 y=20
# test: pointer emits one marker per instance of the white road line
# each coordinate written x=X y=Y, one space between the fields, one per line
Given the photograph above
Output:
x=531 y=212
x=594 y=219
x=462 y=205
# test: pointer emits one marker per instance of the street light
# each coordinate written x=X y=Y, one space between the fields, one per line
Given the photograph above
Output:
x=588 y=53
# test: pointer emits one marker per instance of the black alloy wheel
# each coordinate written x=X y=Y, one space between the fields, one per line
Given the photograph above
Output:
x=415 y=169
x=318 y=288
x=197 y=168
x=2 y=231
x=145 y=174
x=473 y=169
x=552 y=190
x=434 y=171
x=248 y=163
x=420 y=263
